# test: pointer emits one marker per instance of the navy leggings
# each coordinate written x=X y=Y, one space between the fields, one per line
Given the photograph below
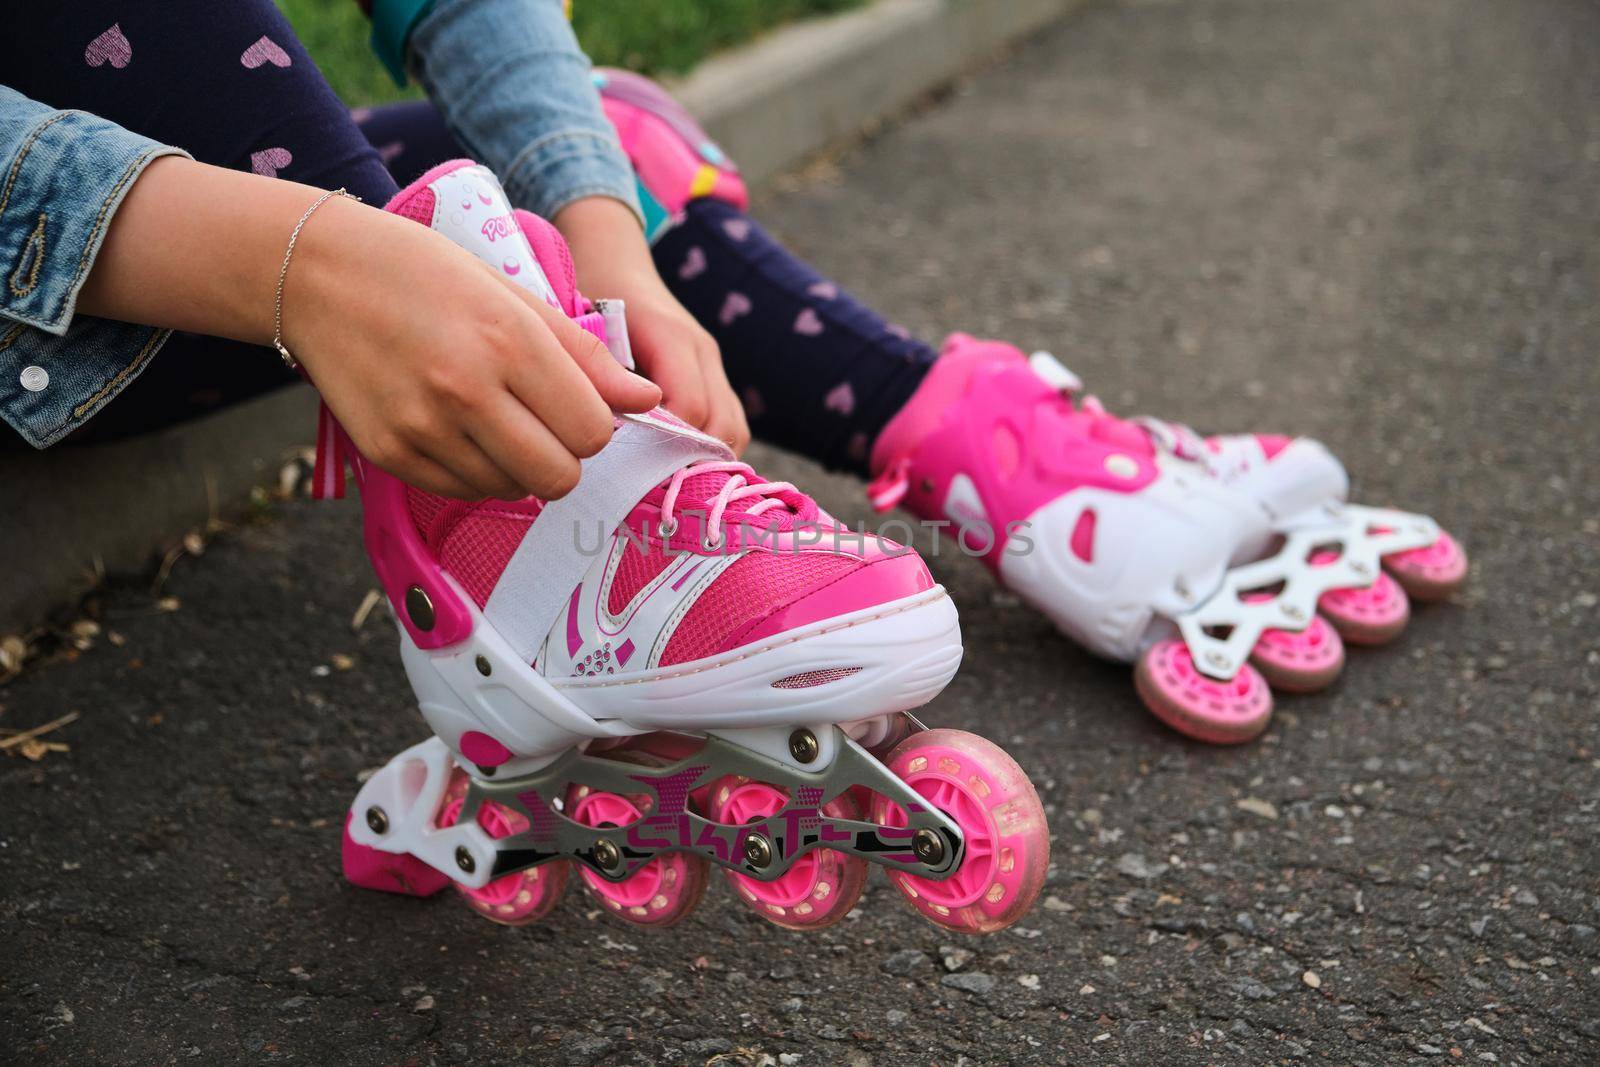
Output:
x=819 y=373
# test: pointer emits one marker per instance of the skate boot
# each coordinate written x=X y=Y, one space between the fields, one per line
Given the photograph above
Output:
x=1127 y=535
x=674 y=160
x=679 y=664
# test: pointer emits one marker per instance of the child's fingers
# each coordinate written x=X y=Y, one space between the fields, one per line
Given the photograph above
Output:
x=668 y=355
x=432 y=477
x=527 y=450
x=725 y=419
x=473 y=463
x=618 y=387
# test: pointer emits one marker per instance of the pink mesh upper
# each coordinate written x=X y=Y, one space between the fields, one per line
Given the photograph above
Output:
x=635 y=570
x=477 y=549
x=751 y=589
x=473 y=542
x=418 y=207
x=556 y=259
x=425 y=508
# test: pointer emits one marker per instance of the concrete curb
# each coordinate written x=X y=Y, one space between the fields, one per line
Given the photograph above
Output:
x=71 y=513
x=775 y=102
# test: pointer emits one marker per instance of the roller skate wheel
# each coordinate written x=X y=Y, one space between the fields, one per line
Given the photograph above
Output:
x=663 y=891
x=819 y=888
x=1299 y=661
x=1368 y=615
x=1432 y=572
x=1007 y=842
x=1207 y=709
x=515 y=899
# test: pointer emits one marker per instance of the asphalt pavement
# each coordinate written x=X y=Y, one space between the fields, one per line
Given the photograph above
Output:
x=1374 y=222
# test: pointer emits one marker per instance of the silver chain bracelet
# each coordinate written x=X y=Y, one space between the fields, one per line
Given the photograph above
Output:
x=283 y=272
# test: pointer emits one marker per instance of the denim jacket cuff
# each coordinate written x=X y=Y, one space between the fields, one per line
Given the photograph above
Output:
x=563 y=167
x=49 y=386
x=515 y=89
x=56 y=203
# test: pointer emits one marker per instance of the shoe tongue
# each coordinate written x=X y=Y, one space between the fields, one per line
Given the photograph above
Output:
x=472 y=210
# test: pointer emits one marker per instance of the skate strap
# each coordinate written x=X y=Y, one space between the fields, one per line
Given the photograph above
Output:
x=1171 y=437
x=608 y=320
x=559 y=546
x=891 y=486
x=327 y=476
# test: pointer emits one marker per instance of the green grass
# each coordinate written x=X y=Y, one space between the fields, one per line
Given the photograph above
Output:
x=650 y=36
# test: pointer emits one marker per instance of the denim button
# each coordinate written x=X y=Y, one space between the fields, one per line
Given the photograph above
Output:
x=35 y=378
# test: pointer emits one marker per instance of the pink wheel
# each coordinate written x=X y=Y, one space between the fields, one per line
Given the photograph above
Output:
x=1222 y=713
x=661 y=892
x=1370 y=615
x=1300 y=661
x=515 y=899
x=1007 y=843
x=1432 y=572
x=821 y=886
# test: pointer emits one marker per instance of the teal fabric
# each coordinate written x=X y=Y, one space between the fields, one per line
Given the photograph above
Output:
x=392 y=23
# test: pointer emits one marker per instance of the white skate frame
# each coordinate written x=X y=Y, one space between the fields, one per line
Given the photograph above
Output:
x=1347 y=527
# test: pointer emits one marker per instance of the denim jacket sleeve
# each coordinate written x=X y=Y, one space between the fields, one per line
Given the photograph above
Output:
x=516 y=90
x=63 y=174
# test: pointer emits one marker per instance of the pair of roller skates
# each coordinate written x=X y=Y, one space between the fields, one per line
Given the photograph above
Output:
x=1224 y=567
x=678 y=665
x=713 y=686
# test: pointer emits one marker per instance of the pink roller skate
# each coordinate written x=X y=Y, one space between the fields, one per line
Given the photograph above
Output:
x=1128 y=536
x=675 y=161
x=679 y=663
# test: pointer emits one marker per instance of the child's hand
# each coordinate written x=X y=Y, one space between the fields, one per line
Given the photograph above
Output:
x=442 y=373
x=613 y=260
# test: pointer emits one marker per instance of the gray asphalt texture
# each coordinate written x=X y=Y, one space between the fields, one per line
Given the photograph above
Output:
x=1373 y=222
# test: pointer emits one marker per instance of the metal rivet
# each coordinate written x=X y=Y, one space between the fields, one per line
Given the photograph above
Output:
x=803 y=745
x=757 y=851
x=607 y=855
x=377 y=820
x=928 y=846
x=1360 y=568
x=1290 y=611
x=483 y=666
x=419 y=608
x=1216 y=659
x=34 y=378
x=464 y=859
